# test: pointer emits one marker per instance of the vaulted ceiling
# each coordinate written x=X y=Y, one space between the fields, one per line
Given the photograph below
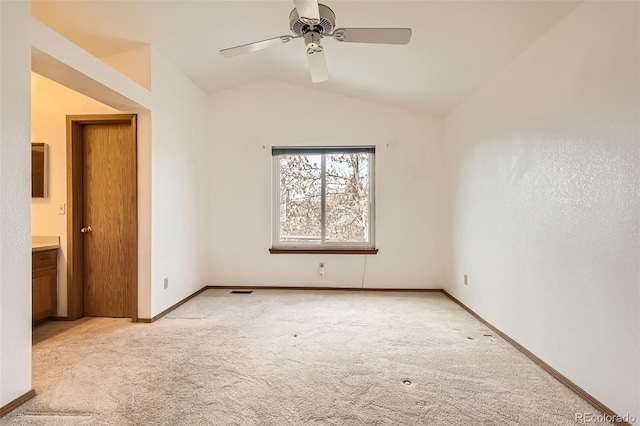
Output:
x=455 y=48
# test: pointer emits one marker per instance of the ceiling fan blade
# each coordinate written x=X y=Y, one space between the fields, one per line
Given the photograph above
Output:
x=252 y=47
x=373 y=35
x=308 y=11
x=317 y=65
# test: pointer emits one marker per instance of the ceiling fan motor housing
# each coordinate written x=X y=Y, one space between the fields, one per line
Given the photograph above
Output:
x=325 y=26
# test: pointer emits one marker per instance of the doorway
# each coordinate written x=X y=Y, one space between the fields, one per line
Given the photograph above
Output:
x=102 y=276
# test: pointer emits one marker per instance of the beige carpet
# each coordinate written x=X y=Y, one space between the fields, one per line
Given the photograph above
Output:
x=285 y=357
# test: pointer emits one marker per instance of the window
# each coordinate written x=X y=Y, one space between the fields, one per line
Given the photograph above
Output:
x=323 y=198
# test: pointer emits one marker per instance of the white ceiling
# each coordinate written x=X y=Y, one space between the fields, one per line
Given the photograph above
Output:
x=456 y=45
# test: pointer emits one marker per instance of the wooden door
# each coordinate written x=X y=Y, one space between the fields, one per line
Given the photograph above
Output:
x=109 y=219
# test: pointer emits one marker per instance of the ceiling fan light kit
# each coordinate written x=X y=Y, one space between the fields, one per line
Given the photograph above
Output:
x=313 y=22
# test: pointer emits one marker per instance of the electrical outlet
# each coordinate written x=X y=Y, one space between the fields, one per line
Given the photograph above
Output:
x=321 y=269
x=166 y=282
x=466 y=279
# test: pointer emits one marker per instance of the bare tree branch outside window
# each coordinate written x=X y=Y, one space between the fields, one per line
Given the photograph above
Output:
x=346 y=198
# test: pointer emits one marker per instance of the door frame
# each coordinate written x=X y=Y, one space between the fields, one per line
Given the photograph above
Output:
x=75 y=246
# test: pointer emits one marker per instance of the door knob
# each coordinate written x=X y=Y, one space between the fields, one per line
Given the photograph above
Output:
x=85 y=230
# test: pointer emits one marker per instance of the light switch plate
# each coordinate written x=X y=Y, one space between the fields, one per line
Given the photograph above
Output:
x=62 y=209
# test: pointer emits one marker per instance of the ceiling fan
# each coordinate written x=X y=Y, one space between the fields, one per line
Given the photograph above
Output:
x=313 y=22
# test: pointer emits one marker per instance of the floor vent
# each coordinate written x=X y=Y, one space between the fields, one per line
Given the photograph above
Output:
x=242 y=292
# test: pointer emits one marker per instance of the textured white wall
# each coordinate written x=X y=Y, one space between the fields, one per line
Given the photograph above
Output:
x=271 y=113
x=50 y=104
x=179 y=186
x=543 y=174
x=15 y=194
x=134 y=63
x=64 y=62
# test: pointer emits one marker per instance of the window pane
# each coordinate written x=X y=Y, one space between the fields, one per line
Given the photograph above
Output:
x=347 y=198
x=300 y=198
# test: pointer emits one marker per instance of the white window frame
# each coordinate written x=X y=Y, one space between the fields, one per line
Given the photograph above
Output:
x=275 y=199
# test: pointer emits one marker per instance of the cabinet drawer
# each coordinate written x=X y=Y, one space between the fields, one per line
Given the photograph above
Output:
x=44 y=259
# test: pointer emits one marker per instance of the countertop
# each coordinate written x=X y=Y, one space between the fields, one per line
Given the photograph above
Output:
x=39 y=243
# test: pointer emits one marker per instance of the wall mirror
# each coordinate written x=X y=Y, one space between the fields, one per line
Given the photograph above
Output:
x=39 y=170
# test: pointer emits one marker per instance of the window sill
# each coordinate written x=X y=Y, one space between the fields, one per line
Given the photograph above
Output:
x=322 y=251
